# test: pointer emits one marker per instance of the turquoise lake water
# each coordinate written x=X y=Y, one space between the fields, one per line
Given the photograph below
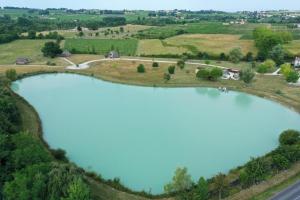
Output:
x=142 y=134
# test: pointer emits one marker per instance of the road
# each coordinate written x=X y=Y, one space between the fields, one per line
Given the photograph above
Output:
x=291 y=193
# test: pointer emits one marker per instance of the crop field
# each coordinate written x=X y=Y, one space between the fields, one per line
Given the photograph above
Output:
x=213 y=44
x=25 y=48
x=293 y=47
x=199 y=28
x=102 y=46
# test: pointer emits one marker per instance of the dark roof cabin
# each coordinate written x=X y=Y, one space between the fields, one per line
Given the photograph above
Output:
x=113 y=54
x=65 y=54
x=22 y=61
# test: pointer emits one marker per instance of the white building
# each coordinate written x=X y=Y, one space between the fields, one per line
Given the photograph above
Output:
x=297 y=62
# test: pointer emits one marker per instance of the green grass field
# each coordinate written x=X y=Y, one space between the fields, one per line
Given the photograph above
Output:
x=102 y=46
x=25 y=48
x=293 y=47
x=214 y=44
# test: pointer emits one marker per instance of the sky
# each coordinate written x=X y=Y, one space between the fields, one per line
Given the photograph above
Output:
x=224 y=5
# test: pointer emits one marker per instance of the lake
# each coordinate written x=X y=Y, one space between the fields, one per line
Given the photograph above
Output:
x=142 y=134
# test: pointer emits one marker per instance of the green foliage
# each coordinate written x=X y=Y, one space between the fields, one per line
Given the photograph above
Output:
x=277 y=54
x=11 y=74
x=247 y=75
x=266 y=39
x=210 y=74
x=51 y=49
x=280 y=162
x=289 y=137
x=167 y=76
x=285 y=69
x=141 y=68
x=293 y=77
x=78 y=190
x=220 y=184
x=171 y=69
x=257 y=170
x=126 y=47
x=181 y=181
x=249 y=57
x=202 y=190
x=155 y=64
x=267 y=66
x=235 y=55
x=181 y=64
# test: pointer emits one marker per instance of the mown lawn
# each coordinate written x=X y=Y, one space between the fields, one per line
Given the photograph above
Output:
x=31 y=49
x=102 y=46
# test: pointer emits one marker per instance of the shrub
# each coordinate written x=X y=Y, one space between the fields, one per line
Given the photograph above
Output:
x=167 y=76
x=207 y=62
x=203 y=74
x=216 y=73
x=181 y=64
x=280 y=162
x=171 y=69
x=285 y=69
x=247 y=75
x=51 y=49
x=267 y=66
x=235 y=55
x=293 y=77
x=141 y=68
x=11 y=74
x=249 y=57
x=289 y=137
x=155 y=64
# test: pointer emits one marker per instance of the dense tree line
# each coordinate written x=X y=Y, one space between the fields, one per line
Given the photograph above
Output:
x=27 y=169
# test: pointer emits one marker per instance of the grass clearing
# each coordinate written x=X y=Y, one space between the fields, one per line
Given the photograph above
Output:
x=293 y=47
x=102 y=46
x=31 y=49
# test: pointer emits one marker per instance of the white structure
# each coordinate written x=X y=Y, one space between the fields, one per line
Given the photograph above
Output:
x=298 y=25
x=297 y=62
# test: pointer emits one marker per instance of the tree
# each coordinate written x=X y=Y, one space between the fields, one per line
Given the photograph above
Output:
x=220 y=184
x=79 y=29
x=257 y=170
x=222 y=56
x=289 y=137
x=249 y=57
x=277 y=54
x=11 y=74
x=285 y=69
x=280 y=162
x=31 y=35
x=80 y=34
x=155 y=64
x=141 y=68
x=267 y=66
x=215 y=73
x=202 y=190
x=235 y=55
x=203 y=73
x=78 y=190
x=181 y=181
x=181 y=64
x=167 y=76
x=51 y=49
x=247 y=75
x=171 y=69
x=293 y=77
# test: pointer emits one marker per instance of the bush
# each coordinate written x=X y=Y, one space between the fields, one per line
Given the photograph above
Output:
x=171 y=69
x=141 y=68
x=181 y=64
x=235 y=55
x=293 y=77
x=285 y=69
x=207 y=62
x=11 y=74
x=216 y=73
x=203 y=74
x=289 y=137
x=155 y=64
x=267 y=66
x=51 y=49
x=247 y=75
x=167 y=76
x=208 y=74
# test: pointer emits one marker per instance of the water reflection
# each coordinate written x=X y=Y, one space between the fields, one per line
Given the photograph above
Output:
x=243 y=100
x=210 y=92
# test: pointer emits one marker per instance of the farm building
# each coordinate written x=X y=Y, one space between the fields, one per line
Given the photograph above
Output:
x=65 y=54
x=22 y=61
x=297 y=62
x=113 y=54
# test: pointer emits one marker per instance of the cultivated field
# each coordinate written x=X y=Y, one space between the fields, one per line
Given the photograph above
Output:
x=102 y=46
x=211 y=43
x=25 y=48
x=293 y=47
